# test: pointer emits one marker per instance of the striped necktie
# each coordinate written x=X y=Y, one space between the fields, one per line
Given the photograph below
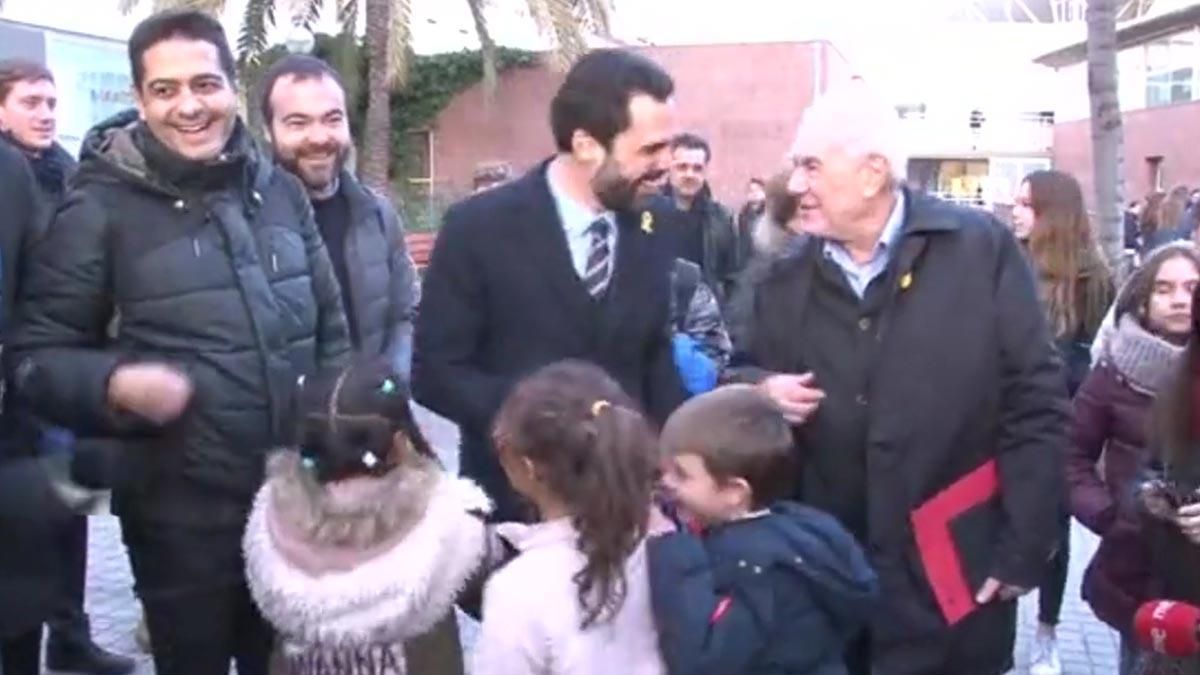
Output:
x=599 y=261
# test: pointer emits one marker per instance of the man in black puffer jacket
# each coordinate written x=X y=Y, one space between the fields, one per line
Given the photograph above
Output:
x=303 y=105
x=179 y=294
x=28 y=511
x=28 y=122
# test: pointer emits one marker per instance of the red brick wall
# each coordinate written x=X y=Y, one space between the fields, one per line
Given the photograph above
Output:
x=745 y=99
x=1169 y=132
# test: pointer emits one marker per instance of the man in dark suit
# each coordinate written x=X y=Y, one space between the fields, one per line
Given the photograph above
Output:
x=557 y=264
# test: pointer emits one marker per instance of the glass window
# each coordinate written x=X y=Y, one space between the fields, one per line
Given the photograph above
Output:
x=1169 y=87
x=1170 y=69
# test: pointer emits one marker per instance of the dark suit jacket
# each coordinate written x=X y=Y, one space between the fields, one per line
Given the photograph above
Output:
x=502 y=299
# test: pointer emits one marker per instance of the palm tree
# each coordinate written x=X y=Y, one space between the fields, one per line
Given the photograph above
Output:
x=1107 y=132
x=388 y=43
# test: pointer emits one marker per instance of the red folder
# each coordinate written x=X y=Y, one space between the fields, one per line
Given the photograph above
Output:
x=939 y=555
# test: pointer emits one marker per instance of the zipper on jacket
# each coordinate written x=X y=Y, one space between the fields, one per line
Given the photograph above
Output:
x=196 y=246
x=274 y=263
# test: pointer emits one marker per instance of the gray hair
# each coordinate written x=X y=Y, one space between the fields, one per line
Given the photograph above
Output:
x=856 y=118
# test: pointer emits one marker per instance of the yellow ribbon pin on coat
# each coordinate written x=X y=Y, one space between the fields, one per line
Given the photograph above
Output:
x=647 y=222
x=906 y=281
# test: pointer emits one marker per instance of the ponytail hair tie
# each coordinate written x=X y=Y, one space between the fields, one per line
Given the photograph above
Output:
x=599 y=407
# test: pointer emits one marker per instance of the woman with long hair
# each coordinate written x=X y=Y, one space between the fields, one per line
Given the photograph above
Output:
x=1112 y=410
x=1159 y=527
x=1152 y=223
x=1076 y=288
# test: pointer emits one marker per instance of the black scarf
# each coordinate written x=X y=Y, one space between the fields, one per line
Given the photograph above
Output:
x=192 y=177
x=50 y=166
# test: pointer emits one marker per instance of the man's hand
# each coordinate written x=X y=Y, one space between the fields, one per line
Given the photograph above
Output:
x=1188 y=519
x=797 y=395
x=995 y=589
x=155 y=391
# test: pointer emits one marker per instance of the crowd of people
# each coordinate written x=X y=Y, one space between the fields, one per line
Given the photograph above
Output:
x=839 y=430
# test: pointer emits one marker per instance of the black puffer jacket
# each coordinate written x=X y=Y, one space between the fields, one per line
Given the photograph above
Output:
x=384 y=290
x=227 y=278
x=27 y=510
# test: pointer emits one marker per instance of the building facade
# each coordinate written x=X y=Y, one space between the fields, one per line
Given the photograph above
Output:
x=1157 y=65
x=745 y=99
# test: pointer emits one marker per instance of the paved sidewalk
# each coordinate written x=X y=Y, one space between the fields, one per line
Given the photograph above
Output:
x=1088 y=647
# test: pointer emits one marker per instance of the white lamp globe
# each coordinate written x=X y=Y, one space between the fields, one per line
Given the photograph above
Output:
x=300 y=40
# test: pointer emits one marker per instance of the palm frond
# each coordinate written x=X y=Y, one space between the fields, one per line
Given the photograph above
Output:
x=347 y=15
x=305 y=12
x=599 y=15
x=256 y=22
x=487 y=47
x=345 y=57
x=400 y=40
x=209 y=6
x=540 y=15
x=313 y=13
x=566 y=26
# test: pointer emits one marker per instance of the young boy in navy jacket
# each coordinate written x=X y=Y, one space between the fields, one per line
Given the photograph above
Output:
x=768 y=586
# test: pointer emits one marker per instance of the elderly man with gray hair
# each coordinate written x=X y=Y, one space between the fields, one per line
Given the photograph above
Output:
x=902 y=337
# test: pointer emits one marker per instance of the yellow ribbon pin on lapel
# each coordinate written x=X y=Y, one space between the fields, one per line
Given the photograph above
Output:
x=906 y=281
x=647 y=222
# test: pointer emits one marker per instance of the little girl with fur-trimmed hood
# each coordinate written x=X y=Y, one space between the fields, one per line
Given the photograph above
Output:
x=359 y=542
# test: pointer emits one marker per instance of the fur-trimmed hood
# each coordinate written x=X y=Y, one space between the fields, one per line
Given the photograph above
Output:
x=396 y=593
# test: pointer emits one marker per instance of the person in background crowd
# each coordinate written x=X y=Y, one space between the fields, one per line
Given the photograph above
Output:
x=1133 y=225
x=303 y=104
x=888 y=414
x=29 y=514
x=490 y=175
x=574 y=444
x=28 y=121
x=1111 y=419
x=181 y=291
x=730 y=471
x=1074 y=283
x=752 y=211
x=772 y=236
x=525 y=275
x=699 y=337
x=1153 y=227
x=1173 y=217
x=1075 y=289
x=705 y=234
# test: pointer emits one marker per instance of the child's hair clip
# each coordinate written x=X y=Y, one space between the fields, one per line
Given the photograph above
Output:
x=599 y=407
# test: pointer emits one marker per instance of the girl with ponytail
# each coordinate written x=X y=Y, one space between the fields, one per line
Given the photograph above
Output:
x=576 y=599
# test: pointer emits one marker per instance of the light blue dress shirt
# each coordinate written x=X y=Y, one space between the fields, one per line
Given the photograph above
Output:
x=860 y=276
x=576 y=219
